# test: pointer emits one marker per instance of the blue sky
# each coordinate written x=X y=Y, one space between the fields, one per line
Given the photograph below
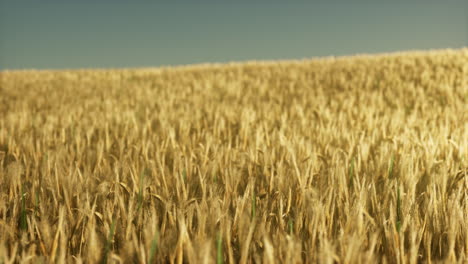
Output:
x=69 y=34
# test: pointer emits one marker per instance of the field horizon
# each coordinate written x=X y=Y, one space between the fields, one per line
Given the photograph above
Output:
x=345 y=159
x=237 y=63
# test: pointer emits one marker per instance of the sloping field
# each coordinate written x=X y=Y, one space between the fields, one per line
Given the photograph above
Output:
x=337 y=160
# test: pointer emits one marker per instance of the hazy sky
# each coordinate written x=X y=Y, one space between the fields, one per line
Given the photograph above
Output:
x=46 y=34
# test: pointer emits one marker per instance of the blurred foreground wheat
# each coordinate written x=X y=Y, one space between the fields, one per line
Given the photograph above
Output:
x=335 y=160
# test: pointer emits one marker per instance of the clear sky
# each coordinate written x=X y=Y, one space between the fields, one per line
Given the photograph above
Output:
x=53 y=34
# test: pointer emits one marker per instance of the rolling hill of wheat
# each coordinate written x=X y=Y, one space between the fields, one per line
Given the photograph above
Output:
x=333 y=160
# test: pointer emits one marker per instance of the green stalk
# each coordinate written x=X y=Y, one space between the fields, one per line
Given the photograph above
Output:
x=23 y=220
x=291 y=226
x=109 y=242
x=351 y=173
x=398 y=212
x=219 y=249
x=184 y=175
x=154 y=247
x=390 y=169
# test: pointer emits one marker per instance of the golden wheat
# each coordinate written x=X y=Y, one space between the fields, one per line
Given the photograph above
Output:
x=334 y=160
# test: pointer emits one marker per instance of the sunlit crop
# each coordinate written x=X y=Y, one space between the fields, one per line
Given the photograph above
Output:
x=337 y=160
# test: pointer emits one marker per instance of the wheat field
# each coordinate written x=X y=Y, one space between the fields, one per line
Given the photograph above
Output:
x=359 y=159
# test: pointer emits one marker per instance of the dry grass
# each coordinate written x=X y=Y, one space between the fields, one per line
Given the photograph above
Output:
x=349 y=160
